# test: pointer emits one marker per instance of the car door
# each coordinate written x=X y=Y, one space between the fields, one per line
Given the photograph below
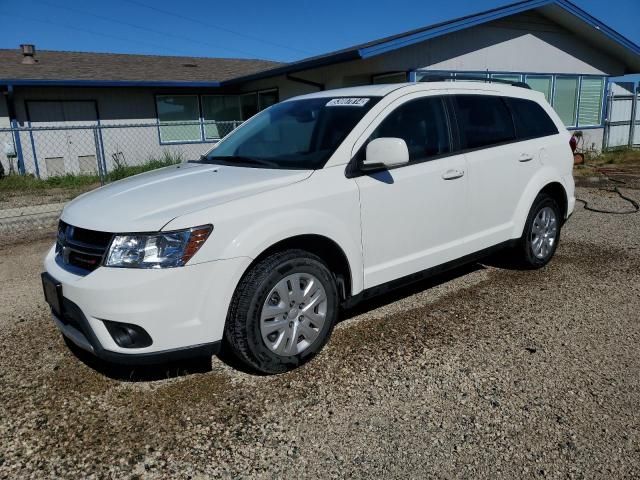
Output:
x=533 y=129
x=487 y=135
x=413 y=217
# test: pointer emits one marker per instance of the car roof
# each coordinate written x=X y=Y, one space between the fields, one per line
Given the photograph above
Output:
x=383 y=90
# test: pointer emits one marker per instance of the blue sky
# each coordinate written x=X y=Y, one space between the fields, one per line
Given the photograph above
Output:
x=277 y=30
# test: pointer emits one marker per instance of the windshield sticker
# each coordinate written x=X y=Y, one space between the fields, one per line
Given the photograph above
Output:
x=347 y=102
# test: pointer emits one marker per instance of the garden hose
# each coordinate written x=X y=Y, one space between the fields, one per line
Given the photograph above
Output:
x=634 y=203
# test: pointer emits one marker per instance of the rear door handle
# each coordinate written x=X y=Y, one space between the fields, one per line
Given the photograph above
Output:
x=452 y=174
x=525 y=157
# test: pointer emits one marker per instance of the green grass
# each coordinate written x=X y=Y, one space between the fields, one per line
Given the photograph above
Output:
x=29 y=183
x=616 y=157
x=619 y=157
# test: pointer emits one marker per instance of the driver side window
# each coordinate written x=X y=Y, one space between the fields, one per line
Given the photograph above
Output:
x=422 y=124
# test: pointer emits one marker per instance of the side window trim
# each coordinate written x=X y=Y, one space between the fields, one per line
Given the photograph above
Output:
x=353 y=167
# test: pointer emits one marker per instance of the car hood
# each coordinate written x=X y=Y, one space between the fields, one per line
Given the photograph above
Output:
x=149 y=201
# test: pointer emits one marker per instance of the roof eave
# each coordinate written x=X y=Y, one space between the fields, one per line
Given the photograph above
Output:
x=451 y=27
x=105 y=83
x=594 y=22
x=297 y=67
x=628 y=51
x=496 y=14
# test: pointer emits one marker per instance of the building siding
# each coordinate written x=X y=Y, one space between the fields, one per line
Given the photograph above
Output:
x=4 y=112
x=527 y=42
x=523 y=43
x=124 y=106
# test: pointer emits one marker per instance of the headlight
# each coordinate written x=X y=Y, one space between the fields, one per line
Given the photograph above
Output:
x=156 y=250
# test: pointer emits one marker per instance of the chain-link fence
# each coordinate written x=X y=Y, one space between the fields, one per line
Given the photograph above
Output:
x=43 y=167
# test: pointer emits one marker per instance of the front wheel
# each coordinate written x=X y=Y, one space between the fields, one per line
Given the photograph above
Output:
x=541 y=233
x=282 y=313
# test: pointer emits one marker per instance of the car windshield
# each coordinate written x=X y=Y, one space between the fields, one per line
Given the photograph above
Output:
x=299 y=134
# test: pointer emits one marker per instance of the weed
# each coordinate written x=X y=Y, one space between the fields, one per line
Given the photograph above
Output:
x=120 y=170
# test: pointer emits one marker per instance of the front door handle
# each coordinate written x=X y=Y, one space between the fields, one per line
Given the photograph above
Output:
x=452 y=174
x=525 y=157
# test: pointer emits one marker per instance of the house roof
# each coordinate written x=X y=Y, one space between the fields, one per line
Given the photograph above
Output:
x=106 y=68
x=562 y=12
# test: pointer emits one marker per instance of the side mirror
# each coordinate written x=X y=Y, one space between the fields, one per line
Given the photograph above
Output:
x=385 y=153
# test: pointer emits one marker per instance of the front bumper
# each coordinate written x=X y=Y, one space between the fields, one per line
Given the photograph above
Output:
x=74 y=326
x=182 y=309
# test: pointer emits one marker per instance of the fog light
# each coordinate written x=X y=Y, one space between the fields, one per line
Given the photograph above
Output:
x=127 y=335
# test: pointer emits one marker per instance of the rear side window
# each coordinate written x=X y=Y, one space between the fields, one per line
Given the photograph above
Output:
x=531 y=120
x=422 y=124
x=483 y=120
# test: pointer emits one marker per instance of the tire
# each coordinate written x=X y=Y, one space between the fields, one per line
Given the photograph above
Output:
x=541 y=233
x=297 y=331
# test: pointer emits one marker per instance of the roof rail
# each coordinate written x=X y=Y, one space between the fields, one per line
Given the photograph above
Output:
x=439 y=77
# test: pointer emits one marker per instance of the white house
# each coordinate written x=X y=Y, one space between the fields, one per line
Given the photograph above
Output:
x=180 y=103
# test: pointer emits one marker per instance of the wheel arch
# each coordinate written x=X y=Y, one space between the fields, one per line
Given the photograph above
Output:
x=545 y=182
x=323 y=247
x=557 y=191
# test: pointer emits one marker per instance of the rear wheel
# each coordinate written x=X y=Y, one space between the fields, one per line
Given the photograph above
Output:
x=541 y=234
x=282 y=312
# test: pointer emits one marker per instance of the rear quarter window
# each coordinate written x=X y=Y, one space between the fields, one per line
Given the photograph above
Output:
x=531 y=121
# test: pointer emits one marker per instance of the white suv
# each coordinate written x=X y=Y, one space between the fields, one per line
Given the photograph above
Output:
x=314 y=203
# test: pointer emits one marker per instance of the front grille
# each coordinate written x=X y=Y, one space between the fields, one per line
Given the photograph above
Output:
x=81 y=248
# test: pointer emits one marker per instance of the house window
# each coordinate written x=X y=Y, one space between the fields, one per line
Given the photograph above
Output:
x=217 y=112
x=267 y=98
x=577 y=99
x=198 y=118
x=421 y=75
x=254 y=102
x=248 y=105
x=565 y=99
x=399 y=77
x=590 y=105
x=507 y=77
x=468 y=76
x=542 y=84
x=179 y=117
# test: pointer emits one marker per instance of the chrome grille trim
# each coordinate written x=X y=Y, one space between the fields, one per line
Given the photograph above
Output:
x=79 y=250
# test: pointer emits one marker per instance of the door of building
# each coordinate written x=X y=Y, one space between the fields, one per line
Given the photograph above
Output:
x=68 y=145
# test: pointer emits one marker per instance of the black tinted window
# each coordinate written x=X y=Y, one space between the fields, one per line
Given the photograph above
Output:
x=422 y=124
x=531 y=120
x=483 y=120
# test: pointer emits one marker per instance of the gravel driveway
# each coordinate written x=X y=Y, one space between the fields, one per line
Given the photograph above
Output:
x=486 y=372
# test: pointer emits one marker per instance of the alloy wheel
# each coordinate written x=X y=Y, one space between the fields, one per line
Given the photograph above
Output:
x=544 y=232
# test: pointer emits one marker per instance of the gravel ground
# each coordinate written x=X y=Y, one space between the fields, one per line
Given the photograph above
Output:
x=486 y=372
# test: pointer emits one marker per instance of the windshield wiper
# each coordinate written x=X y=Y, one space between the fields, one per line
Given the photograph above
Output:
x=238 y=159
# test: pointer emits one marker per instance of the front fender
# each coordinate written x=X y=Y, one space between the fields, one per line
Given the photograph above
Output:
x=266 y=232
x=249 y=226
